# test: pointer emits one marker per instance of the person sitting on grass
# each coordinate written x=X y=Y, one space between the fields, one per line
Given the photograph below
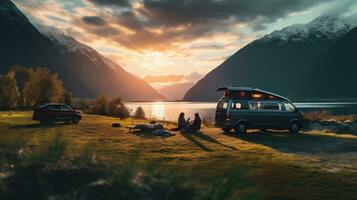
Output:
x=181 y=123
x=195 y=125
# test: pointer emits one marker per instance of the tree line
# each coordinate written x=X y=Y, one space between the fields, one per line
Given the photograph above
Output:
x=115 y=107
x=22 y=88
x=26 y=88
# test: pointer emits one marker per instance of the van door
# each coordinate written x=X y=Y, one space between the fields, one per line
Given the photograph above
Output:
x=221 y=111
x=288 y=114
x=239 y=110
x=256 y=118
x=264 y=114
x=271 y=112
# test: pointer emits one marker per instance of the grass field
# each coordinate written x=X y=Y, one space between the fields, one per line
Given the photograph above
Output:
x=92 y=160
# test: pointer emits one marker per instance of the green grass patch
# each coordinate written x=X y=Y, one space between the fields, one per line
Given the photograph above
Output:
x=92 y=160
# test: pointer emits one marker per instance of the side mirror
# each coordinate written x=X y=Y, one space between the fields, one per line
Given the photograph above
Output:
x=75 y=108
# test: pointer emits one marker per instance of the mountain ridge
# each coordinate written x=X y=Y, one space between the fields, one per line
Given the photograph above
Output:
x=83 y=70
x=278 y=64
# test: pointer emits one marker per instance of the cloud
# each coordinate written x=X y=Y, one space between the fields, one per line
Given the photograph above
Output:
x=162 y=24
x=194 y=12
x=94 y=20
x=120 y=3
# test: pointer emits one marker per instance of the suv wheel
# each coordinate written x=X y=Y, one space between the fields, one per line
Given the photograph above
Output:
x=241 y=128
x=294 y=127
x=75 y=119
x=226 y=130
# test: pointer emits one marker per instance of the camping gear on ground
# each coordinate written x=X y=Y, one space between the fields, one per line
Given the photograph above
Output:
x=116 y=125
x=145 y=127
x=162 y=132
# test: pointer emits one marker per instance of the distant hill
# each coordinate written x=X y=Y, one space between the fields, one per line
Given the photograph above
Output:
x=175 y=91
x=84 y=71
x=279 y=62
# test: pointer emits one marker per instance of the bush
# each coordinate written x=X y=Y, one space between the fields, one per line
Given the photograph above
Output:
x=118 y=109
x=139 y=113
x=316 y=116
x=100 y=106
x=67 y=98
x=83 y=105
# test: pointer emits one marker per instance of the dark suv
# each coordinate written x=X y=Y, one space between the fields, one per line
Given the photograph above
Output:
x=242 y=108
x=50 y=113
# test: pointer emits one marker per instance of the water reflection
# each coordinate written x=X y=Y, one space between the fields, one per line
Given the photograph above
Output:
x=171 y=110
x=158 y=110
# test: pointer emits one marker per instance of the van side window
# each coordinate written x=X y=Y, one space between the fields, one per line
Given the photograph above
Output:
x=240 y=105
x=289 y=107
x=222 y=105
x=253 y=105
x=265 y=105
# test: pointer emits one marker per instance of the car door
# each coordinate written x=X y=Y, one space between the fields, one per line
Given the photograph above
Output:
x=67 y=112
x=57 y=113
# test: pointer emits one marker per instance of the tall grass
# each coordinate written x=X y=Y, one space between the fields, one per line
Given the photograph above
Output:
x=321 y=115
x=52 y=173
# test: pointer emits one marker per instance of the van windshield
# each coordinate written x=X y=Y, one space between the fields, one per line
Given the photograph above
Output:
x=222 y=105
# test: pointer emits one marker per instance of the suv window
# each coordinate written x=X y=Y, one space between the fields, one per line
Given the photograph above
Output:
x=240 y=105
x=222 y=105
x=289 y=107
x=66 y=108
x=56 y=107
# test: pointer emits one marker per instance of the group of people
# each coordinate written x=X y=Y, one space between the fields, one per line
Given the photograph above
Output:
x=186 y=126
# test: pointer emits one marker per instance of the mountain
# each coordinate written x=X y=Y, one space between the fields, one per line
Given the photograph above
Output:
x=337 y=71
x=84 y=71
x=278 y=62
x=175 y=91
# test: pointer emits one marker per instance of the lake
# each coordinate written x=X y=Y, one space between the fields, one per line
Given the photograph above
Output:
x=171 y=110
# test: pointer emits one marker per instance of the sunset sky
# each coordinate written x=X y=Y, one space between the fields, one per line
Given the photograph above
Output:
x=173 y=41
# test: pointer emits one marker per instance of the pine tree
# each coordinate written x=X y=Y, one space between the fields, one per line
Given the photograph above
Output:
x=139 y=113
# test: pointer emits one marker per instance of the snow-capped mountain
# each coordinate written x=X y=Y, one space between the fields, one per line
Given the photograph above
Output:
x=323 y=28
x=84 y=71
x=279 y=62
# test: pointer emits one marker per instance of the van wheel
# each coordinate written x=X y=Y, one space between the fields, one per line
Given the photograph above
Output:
x=75 y=120
x=241 y=128
x=226 y=130
x=294 y=127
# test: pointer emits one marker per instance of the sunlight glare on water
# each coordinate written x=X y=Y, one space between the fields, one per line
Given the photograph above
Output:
x=158 y=110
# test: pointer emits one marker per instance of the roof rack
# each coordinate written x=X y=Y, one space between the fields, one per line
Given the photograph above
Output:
x=250 y=89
